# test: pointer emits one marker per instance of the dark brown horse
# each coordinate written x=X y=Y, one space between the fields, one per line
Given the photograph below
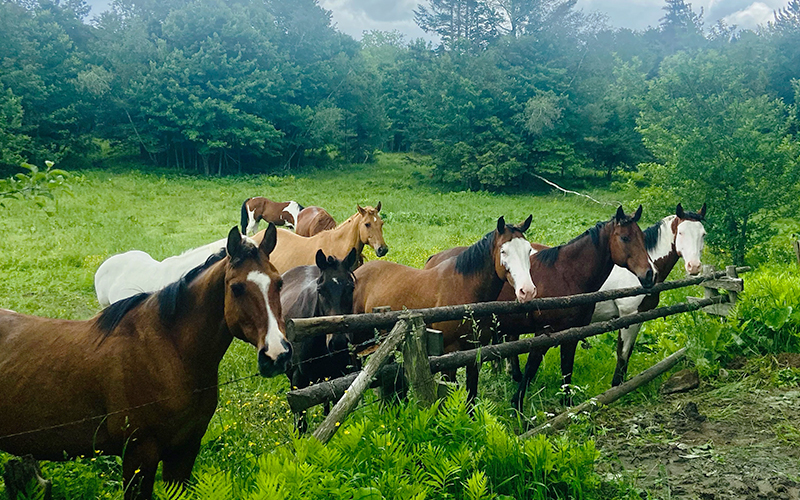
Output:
x=259 y=208
x=324 y=289
x=475 y=275
x=313 y=220
x=580 y=266
x=365 y=227
x=139 y=380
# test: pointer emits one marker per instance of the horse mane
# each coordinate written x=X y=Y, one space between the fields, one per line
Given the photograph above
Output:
x=168 y=299
x=245 y=218
x=651 y=235
x=472 y=260
x=549 y=256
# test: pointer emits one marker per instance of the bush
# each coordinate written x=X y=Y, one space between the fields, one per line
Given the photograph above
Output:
x=406 y=452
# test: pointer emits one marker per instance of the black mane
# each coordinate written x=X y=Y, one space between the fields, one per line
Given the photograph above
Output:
x=474 y=258
x=168 y=298
x=651 y=235
x=549 y=256
x=693 y=216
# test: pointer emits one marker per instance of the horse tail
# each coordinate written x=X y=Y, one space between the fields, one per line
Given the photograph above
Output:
x=244 y=216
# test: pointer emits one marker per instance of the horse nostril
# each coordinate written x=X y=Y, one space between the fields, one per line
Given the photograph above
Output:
x=383 y=250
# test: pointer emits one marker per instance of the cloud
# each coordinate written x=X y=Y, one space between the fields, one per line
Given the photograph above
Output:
x=356 y=16
x=756 y=14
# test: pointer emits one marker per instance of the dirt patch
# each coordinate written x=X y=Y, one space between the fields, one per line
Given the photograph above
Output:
x=788 y=360
x=709 y=444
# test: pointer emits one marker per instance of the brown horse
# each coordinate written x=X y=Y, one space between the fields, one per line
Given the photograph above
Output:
x=313 y=220
x=259 y=208
x=365 y=227
x=580 y=266
x=475 y=275
x=139 y=380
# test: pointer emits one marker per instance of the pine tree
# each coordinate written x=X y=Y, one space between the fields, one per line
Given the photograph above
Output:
x=681 y=28
x=456 y=21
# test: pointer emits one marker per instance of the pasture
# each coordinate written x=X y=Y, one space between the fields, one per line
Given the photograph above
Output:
x=48 y=263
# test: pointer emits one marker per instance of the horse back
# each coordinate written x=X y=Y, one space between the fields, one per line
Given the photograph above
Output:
x=313 y=220
x=299 y=292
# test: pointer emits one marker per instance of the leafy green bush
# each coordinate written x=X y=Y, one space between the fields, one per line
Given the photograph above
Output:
x=37 y=184
x=406 y=452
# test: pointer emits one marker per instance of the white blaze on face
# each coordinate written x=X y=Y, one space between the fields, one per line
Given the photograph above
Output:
x=515 y=256
x=689 y=243
x=292 y=209
x=252 y=225
x=272 y=343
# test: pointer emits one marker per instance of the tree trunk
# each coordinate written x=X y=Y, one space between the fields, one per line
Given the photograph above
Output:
x=205 y=159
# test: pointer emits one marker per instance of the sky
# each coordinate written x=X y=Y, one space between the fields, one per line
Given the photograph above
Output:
x=356 y=16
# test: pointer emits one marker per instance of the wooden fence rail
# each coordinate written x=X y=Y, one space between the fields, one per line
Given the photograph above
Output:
x=302 y=399
x=300 y=328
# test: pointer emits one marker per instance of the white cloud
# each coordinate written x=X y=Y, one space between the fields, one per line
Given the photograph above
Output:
x=758 y=13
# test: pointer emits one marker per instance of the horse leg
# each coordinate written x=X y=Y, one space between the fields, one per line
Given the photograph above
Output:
x=178 y=464
x=300 y=381
x=139 y=467
x=567 y=364
x=513 y=361
x=625 y=343
x=472 y=383
x=531 y=367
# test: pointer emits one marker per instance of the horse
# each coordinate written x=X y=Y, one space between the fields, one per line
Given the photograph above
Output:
x=580 y=266
x=139 y=380
x=674 y=236
x=127 y=274
x=475 y=275
x=324 y=289
x=313 y=220
x=260 y=208
x=365 y=227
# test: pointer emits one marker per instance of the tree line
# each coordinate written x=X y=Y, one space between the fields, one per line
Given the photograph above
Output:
x=515 y=88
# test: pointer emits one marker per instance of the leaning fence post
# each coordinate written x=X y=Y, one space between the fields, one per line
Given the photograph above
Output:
x=352 y=395
x=415 y=362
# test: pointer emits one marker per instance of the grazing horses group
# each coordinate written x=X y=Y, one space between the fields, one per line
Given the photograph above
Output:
x=140 y=379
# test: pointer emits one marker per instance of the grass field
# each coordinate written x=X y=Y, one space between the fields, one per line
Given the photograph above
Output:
x=48 y=262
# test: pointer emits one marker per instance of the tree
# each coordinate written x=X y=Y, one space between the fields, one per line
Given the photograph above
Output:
x=681 y=28
x=473 y=22
x=720 y=140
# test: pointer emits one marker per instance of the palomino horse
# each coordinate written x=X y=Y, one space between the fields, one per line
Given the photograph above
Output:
x=580 y=266
x=324 y=289
x=313 y=220
x=674 y=236
x=140 y=379
x=365 y=227
x=475 y=275
x=260 y=208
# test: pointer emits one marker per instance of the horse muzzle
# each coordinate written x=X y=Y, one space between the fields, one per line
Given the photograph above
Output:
x=649 y=279
x=268 y=367
x=382 y=250
x=693 y=268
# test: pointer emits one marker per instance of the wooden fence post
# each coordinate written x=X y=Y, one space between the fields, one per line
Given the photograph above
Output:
x=20 y=473
x=415 y=362
x=796 y=246
x=731 y=283
x=352 y=395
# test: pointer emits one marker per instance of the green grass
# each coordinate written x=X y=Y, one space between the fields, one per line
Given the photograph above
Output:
x=48 y=263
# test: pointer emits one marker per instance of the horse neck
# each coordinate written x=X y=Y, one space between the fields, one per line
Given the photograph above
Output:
x=344 y=237
x=664 y=254
x=482 y=284
x=203 y=337
x=590 y=264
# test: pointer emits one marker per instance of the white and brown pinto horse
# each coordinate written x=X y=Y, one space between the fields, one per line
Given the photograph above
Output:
x=313 y=220
x=139 y=380
x=476 y=274
x=365 y=227
x=259 y=208
x=673 y=237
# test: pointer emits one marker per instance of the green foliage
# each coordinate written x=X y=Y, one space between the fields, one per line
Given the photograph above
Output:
x=37 y=185
x=406 y=452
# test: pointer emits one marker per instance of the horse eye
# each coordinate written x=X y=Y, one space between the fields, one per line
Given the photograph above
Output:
x=367 y=224
x=626 y=239
x=237 y=289
x=279 y=284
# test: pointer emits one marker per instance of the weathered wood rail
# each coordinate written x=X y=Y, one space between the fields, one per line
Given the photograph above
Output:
x=410 y=325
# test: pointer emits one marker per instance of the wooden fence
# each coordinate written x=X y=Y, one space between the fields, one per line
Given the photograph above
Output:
x=408 y=328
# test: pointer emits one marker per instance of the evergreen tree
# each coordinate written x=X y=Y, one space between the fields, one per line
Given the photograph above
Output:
x=473 y=22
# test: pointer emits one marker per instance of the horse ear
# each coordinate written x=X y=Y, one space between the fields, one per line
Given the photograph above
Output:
x=679 y=212
x=620 y=215
x=361 y=210
x=322 y=261
x=234 y=244
x=270 y=239
x=525 y=225
x=702 y=212
x=501 y=224
x=637 y=215
x=378 y=207
x=350 y=260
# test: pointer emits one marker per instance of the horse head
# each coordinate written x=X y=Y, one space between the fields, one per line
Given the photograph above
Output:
x=512 y=257
x=252 y=300
x=335 y=284
x=627 y=246
x=690 y=237
x=370 y=229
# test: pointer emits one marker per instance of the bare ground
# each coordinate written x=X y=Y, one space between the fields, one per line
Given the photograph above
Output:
x=732 y=441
